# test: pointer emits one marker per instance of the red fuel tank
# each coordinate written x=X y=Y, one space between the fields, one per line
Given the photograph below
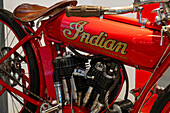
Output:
x=118 y=37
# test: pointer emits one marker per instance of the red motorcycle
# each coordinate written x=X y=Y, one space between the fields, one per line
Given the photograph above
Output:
x=57 y=77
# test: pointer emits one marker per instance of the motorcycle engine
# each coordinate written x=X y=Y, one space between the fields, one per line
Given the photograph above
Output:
x=85 y=82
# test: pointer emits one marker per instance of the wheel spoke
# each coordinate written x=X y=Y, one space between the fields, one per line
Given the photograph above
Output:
x=8 y=32
x=17 y=99
x=21 y=52
x=12 y=41
x=16 y=71
x=17 y=59
x=13 y=106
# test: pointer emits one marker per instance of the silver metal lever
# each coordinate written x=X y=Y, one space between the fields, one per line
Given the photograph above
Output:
x=164 y=29
x=87 y=96
x=144 y=22
x=138 y=3
x=162 y=36
x=97 y=108
x=81 y=72
x=160 y=14
x=65 y=90
x=74 y=89
x=55 y=108
x=95 y=102
x=140 y=9
x=58 y=90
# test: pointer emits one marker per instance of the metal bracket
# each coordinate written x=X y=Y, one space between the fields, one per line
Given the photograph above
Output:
x=160 y=14
x=144 y=22
x=26 y=29
x=81 y=72
x=51 y=109
x=164 y=29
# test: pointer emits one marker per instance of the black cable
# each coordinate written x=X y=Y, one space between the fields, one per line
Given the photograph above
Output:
x=127 y=81
x=109 y=91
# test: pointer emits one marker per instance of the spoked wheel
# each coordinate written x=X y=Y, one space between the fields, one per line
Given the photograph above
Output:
x=162 y=104
x=20 y=70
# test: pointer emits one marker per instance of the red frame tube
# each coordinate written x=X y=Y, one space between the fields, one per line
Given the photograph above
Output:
x=20 y=43
x=156 y=76
x=166 y=108
x=7 y=87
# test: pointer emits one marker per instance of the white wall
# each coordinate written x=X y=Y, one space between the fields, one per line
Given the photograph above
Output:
x=11 y=4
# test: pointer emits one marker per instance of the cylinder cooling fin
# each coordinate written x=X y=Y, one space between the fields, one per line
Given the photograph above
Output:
x=85 y=82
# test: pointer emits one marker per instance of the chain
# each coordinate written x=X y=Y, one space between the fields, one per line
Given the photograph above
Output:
x=11 y=77
x=20 y=101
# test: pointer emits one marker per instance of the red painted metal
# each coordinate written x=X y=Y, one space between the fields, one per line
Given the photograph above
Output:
x=147 y=12
x=156 y=76
x=143 y=47
x=142 y=77
x=67 y=109
x=36 y=45
x=132 y=21
x=20 y=43
x=147 y=107
x=166 y=108
x=46 y=59
x=2 y=90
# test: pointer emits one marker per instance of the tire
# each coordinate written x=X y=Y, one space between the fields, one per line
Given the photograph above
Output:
x=161 y=105
x=31 y=65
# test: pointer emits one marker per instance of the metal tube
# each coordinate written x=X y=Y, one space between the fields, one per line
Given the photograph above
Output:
x=74 y=89
x=65 y=89
x=152 y=1
x=79 y=98
x=119 y=10
x=138 y=3
x=58 y=90
x=87 y=96
x=55 y=108
x=95 y=102
x=97 y=108
x=167 y=10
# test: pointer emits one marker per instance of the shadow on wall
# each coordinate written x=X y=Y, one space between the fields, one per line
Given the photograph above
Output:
x=164 y=81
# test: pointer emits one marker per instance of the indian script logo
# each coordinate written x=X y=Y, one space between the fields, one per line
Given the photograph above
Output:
x=100 y=40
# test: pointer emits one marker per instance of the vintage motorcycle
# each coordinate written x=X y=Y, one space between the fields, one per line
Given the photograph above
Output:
x=57 y=77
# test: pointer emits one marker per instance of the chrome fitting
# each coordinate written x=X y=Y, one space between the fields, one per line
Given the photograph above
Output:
x=95 y=102
x=97 y=108
x=65 y=89
x=74 y=89
x=87 y=96
x=58 y=90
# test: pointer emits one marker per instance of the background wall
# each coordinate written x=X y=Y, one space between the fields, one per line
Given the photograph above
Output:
x=11 y=4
